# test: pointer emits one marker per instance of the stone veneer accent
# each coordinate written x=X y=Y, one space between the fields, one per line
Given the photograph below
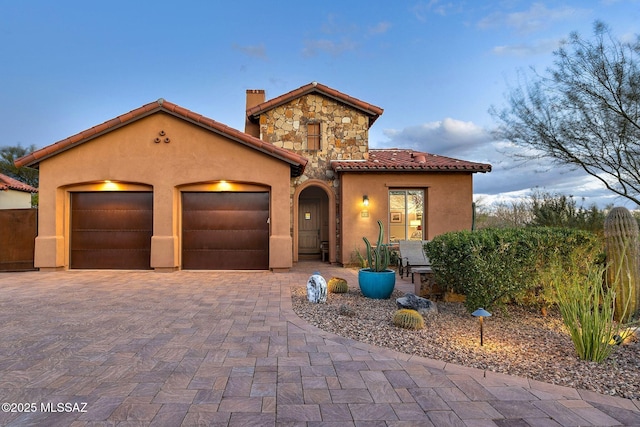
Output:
x=344 y=134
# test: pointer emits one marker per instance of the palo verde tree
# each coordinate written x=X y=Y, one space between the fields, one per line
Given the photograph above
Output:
x=584 y=112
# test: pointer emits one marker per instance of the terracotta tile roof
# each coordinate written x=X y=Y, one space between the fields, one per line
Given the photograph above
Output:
x=296 y=161
x=398 y=160
x=371 y=110
x=8 y=183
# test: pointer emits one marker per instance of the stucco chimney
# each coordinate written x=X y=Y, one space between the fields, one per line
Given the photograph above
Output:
x=254 y=97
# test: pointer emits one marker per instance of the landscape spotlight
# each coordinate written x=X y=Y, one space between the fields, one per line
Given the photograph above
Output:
x=481 y=313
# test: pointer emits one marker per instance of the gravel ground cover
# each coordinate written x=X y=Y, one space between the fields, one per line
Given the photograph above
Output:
x=517 y=341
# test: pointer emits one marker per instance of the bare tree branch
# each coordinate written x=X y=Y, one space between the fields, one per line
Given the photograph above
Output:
x=584 y=112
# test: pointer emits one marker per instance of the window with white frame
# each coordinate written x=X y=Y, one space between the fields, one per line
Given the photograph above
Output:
x=406 y=215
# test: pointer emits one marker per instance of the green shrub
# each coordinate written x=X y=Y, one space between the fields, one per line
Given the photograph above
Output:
x=493 y=266
x=408 y=319
x=337 y=285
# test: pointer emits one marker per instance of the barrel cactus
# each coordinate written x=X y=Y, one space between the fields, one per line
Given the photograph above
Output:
x=337 y=285
x=408 y=319
x=623 y=273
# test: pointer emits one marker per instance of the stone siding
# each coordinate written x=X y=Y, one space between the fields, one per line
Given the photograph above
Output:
x=343 y=132
x=344 y=135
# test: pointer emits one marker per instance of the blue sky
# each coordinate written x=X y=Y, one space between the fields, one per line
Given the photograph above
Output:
x=436 y=67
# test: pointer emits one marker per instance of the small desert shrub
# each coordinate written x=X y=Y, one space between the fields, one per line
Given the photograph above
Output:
x=337 y=285
x=586 y=306
x=408 y=319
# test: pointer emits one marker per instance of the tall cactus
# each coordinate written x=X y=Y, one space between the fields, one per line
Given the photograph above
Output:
x=623 y=273
x=380 y=256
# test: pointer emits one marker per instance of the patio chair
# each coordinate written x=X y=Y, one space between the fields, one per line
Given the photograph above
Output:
x=411 y=256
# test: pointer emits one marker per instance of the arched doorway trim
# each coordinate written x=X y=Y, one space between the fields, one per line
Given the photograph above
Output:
x=332 y=215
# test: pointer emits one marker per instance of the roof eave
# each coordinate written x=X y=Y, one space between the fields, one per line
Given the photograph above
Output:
x=372 y=111
x=411 y=170
x=33 y=159
x=297 y=163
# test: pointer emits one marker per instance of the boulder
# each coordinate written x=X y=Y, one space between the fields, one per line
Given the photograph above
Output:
x=414 y=302
x=317 y=288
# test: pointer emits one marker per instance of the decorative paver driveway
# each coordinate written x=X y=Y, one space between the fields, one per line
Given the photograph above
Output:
x=225 y=348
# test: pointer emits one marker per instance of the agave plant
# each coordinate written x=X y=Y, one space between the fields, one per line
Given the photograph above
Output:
x=380 y=256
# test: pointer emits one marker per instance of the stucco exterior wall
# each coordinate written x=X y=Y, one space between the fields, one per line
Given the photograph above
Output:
x=194 y=159
x=12 y=199
x=448 y=205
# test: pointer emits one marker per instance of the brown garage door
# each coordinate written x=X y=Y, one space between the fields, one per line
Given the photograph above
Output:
x=225 y=231
x=111 y=230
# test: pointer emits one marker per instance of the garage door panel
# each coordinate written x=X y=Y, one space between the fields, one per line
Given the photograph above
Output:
x=108 y=239
x=230 y=259
x=225 y=201
x=227 y=231
x=110 y=259
x=110 y=200
x=226 y=220
x=221 y=239
x=113 y=220
x=111 y=230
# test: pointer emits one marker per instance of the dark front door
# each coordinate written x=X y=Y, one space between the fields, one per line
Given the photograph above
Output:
x=225 y=231
x=308 y=226
x=111 y=230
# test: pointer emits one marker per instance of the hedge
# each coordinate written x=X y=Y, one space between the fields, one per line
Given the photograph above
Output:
x=494 y=266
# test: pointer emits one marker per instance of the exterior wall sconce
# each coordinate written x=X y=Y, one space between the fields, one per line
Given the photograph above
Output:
x=364 y=213
x=481 y=313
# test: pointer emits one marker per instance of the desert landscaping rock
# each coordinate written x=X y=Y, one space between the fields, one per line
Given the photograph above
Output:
x=422 y=305
x=517 y=341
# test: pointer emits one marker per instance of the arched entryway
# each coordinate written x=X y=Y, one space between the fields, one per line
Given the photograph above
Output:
x=314 y=219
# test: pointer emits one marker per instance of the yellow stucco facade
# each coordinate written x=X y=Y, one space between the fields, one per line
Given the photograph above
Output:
x=130 y=159
x=315 y=196
x=447 y=205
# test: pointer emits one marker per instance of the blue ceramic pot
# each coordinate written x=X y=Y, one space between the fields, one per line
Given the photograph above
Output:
x=376 y=285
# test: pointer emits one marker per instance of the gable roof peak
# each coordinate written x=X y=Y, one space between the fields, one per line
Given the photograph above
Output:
x=296 y=161
x=370 y=110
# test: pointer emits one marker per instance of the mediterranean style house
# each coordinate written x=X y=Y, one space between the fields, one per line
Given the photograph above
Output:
x=164 y=188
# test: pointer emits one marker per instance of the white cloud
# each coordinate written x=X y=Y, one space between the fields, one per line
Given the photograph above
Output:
x=446 y=137
x=379 y=28
x=527 y=49
x=333 y=48
x=536 y=18
x=257 y=51
x=443 y=8
x=334 y=25
x=510 y=179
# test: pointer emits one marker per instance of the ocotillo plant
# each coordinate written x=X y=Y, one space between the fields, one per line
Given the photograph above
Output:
x=623 y=273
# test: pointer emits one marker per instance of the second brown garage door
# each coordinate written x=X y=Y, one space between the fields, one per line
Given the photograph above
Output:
x=225 y=231
x=111 y=230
